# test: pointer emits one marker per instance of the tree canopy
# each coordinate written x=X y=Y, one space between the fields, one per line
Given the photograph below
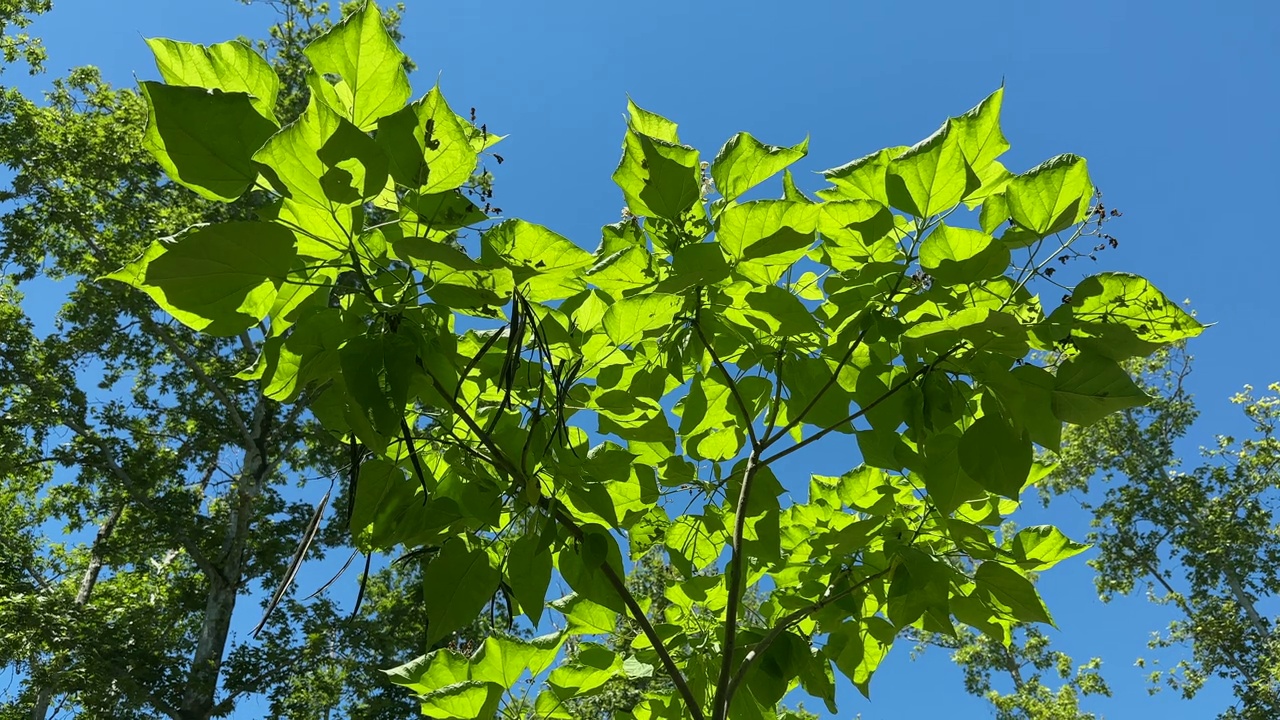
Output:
x=520 y=407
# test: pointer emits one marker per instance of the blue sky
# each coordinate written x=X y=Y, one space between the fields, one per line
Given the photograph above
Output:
x=1173 y=103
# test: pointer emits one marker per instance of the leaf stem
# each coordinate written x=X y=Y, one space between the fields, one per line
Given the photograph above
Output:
x=865 y=408
x=747 y=416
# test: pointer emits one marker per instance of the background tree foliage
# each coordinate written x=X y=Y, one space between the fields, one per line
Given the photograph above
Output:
x=145 y=490
x=1203 y=540
x=464 y=362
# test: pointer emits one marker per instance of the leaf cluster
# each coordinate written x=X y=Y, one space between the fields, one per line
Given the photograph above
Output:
x=535 y=411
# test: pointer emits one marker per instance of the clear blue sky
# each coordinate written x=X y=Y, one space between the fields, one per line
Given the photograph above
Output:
x=1173 y=103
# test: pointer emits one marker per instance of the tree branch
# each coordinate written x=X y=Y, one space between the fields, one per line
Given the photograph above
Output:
x=132 y=487
x=503 y=463
x=789 y=620
x=747 y=416
x=866 y=408
x=161 y=333
x=835 y=374
x=735 y=570
x=637 y=614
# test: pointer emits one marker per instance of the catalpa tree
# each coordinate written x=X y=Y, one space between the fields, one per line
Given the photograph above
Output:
x=521 y=410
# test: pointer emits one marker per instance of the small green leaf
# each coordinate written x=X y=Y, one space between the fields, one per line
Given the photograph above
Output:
x=1052 y=196
x=585 y=617
x=953 y=255
x=658 y=177
x=858 y=647
x=790 y=192
x=529 y=574
x=457 y=584
x=745 y=162
x=930 y=177
x=544 y=264
x=1040 y=547
x=699 y=264
x=630 y=319
x=1011 y=592
x=205 y=140
x=220 y=279
x=362 y=53
x=321 y=159
x=504 y=659
x=1089 y=387
x=428 y=145
x=651 y=123
x=437 y=669
x=861 y=179
x=1121 y=315
x=996 y=455
x=231 y=67
x=981 y=140
x=467 y=700
x=592 y=666
x=947 y=483
x=383 y=507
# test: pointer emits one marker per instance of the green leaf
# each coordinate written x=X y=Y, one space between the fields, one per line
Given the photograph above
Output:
x=768 y=229
x=467 y=700
x=361 y=362
x=321 y=159
x=981 y=140
x=1052 y=196
x=658 y=177
x=698 y=264
x=954 y=256
x=946 y=482
x=585 y=617
x=529 y=574
x=997 y=456
x=544 y=264
x=790 y=192
x=504 y=659
x=443 y=211
x=694 y=541
x=745 y=162
x=457 y=584
x=428 y=145
x=205 y=140
x=437 y=669
x=452 y=278
x=1014 y=594
x=1040 y=547
x=930 y=177
x=219 y=279
x=651 y=123
x=592 y=666
x=1121 y=315
x=861 y=179
x=360 y=51
x=630 y=319
x=920 y=585
x=383 y=512
x=1089 y=387
x=858 y=647
x=231 y=67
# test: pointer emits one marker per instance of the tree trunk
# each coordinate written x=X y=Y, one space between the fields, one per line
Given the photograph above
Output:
x=199 y=700
x=45 y=695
